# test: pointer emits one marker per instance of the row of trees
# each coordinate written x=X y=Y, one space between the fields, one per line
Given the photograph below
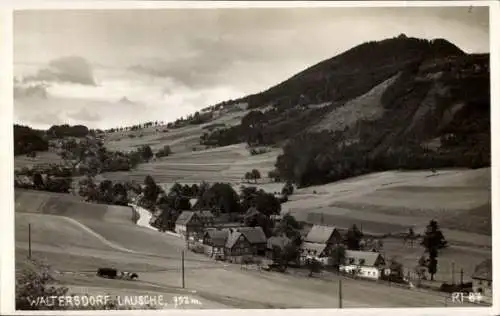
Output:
x=27 y=140
x=252 y=175
x=47 y=183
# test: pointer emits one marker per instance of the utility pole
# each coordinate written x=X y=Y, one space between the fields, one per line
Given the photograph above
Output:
x=29 y=241
x=453 y=272
x=182 y=268
x=461 y=276
x=340 y=293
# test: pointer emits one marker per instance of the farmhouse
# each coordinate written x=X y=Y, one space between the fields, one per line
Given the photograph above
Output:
x=190 y=224
x=320 y=252
x=256 y=237
x=319 y=242
x=214 y=241
x=319 y=234
x=237 y=246
x=482 y=277
x=365 y=264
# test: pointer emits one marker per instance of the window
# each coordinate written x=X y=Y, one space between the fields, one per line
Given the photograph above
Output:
x=361 y=261
x=489 y=283
x=351 y=260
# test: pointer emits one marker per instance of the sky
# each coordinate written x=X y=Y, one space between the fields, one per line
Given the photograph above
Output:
x=162 y=64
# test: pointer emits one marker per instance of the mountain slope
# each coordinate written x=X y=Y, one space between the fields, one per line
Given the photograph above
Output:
x=401 y=103
x=353 y=72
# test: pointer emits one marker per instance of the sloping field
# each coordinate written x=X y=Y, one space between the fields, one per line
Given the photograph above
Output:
x=393 y=201
x=156 y=257
x=225 y=164
x=450 y=260
x=45 y=157
x=51 y=230
x=179 y=139
x=28 y=201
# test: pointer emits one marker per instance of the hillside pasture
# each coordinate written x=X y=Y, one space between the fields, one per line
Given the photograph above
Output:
x=450 y=260
x=225 y=164
x=29 y=201
x=42 y=158
x=391 y=202
x=156 y=257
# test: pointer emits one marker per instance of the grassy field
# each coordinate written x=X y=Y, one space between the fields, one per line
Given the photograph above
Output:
x=96 y=235
x=43 y=157
x=75 y=254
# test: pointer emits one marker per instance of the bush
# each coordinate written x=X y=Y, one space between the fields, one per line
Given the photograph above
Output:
x=36 y=281
x=164 y=152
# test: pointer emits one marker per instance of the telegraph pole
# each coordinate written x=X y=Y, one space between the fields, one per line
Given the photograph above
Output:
x=461 y=276
x=340 y=293
x=29 y=241
x=453 y=272
x=182 y=268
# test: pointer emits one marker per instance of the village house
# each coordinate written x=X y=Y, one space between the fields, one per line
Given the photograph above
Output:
x=319 y=242
x=234 y=243
x=256 y=237
x=214 y=241
x=482 y=278
x=366 y=264
x=192 y=223
x=328 y=235
x=237 y=247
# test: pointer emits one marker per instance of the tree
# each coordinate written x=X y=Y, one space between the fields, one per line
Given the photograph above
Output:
x=289 y=227
x=164 y=152
x=338 y=256
x=31 y=154
x=151 y=191
x=38 y=181
x=248 y=176
x=120 y=194
x=88 y=189
x=265 y=202
x=220 y=196
x=35 y=281
x=176 y=189
x=274 y=175
x=287 y=188
x=146 y=152
x=354 y=236
x=255 y=175
x=313 y=265
x=432 y=242
x=106 y=192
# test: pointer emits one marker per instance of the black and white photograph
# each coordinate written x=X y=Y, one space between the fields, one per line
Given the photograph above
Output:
x=307 y=157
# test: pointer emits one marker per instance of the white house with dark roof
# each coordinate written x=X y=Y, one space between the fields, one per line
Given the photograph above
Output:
x=365 y=264
x=482 y=278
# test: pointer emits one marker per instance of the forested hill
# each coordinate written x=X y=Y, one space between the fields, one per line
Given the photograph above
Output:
x=398 y=103
x=353 y=72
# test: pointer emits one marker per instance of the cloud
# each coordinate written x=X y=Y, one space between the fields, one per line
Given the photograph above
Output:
x=72 y=69
x=84 y=115
x=38 y=90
